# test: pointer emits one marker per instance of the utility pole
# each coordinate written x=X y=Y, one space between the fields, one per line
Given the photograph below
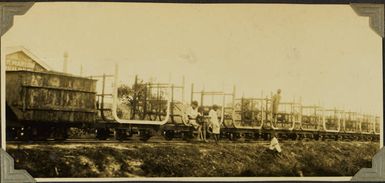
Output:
x=65 y=63
x=81 y=70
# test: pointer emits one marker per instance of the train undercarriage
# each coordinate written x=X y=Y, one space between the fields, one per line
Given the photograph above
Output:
x=111 y=130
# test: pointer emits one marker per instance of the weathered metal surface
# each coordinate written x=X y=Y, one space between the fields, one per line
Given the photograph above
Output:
x=49 y=96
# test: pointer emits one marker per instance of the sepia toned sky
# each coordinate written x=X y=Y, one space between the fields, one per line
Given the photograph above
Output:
x=325 y=54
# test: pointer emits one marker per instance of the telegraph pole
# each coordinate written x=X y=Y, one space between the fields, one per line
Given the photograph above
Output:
x=65 y=63
x=81 y=70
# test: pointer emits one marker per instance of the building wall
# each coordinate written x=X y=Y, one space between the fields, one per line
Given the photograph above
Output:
x=21 y=61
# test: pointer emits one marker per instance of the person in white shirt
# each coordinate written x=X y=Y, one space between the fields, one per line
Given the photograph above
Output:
x=214 y=122
x=274 y=144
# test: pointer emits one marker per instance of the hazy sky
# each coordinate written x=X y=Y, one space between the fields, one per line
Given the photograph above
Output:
x=323 y=53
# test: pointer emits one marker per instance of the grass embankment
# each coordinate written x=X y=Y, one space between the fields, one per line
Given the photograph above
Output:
x=193 y=159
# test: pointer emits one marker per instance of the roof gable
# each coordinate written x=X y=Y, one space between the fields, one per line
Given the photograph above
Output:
x=10 y=50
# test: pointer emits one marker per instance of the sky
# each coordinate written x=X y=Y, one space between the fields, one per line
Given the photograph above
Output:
x=321 y=54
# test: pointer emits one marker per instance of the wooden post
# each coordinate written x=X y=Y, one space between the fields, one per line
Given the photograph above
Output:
x=172 y=103
x=102 y=103
x=192 y=92
x=183 y=86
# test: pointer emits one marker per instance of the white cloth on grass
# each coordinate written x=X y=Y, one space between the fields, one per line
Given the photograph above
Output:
x=274 y=145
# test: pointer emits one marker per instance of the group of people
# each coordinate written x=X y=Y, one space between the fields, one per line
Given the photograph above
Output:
x=202 y=123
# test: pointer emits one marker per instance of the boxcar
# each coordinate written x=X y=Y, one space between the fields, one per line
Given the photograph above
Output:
x=37 y=102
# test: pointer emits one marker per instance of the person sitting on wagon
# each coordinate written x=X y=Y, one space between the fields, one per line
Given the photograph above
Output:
x=192 y=115
x=214 y=123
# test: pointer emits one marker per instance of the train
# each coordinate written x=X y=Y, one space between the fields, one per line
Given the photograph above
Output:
x=45 y=105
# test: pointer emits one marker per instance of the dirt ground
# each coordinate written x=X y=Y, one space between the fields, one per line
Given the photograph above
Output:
x=193 y=159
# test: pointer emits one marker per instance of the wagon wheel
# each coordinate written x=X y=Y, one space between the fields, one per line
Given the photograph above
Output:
x=316 y=137
x=293 y=136
x=231 y=136
x=243 y=136
x=102 y=133
x=145 y=135
x=337 y=137
x=235 y=136
x=267 y=136
x=256 y=136
x=122 y=134
x=168 y=134
x=322 y=137
x=371 y=138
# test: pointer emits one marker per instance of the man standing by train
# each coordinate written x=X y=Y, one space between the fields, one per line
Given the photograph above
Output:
x=275 y=100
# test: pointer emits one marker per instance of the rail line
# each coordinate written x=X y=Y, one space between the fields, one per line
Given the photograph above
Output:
x=160 y=140
x=131 y=141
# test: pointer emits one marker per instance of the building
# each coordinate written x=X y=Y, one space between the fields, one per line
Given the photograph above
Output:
x=20 y=58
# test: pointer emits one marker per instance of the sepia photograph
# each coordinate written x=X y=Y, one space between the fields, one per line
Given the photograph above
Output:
x=162 y=90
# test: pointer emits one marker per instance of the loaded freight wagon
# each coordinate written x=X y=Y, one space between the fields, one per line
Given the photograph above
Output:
x=44 y=104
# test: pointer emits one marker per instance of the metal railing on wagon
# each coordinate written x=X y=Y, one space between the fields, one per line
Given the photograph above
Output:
x=333 y=118
x=351 y=122
x=367 y=125
x=288 y=116
x=150 y=111
x=312 y=118
x=249 y=113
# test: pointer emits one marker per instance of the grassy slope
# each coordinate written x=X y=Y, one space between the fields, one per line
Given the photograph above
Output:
x=187 y=159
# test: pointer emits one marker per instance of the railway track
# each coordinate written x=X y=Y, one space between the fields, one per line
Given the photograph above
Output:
x=134 y=141
x=157 y=140
x=91 y=141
